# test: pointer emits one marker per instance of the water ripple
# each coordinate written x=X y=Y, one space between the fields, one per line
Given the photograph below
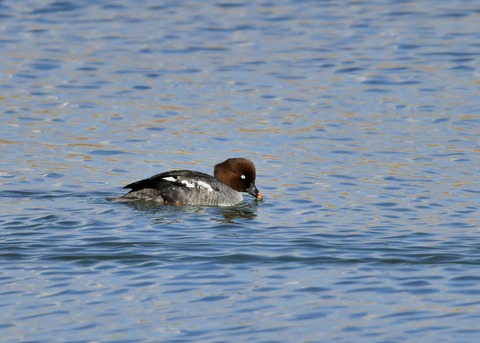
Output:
x=362 y=120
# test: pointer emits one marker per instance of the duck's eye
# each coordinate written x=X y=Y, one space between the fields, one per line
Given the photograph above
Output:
x=243 y=177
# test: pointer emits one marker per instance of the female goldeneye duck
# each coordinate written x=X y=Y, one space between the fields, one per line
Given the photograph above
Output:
x=188 y=187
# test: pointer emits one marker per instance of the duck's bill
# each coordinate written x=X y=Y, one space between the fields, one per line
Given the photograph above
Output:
x=254 y=191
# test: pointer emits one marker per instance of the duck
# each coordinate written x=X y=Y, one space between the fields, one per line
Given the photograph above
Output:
x=230 y=179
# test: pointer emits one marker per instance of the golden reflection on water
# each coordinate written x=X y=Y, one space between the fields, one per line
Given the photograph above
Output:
x=5 y=141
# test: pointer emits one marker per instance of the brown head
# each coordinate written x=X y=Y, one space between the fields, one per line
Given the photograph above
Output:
x=239 y=174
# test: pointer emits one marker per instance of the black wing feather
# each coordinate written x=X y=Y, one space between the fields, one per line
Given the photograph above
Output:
x=158 y=181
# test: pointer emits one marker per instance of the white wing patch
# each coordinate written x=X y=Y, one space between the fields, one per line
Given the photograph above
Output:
x=191 y=183
x=188 y=183
x=205 y=185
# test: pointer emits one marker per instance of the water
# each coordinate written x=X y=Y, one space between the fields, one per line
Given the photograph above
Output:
x=361 y=117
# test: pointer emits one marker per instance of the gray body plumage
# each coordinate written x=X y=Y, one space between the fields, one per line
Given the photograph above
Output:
x=193 y=188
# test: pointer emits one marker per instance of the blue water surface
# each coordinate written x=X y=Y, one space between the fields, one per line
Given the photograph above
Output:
x=362 y=118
